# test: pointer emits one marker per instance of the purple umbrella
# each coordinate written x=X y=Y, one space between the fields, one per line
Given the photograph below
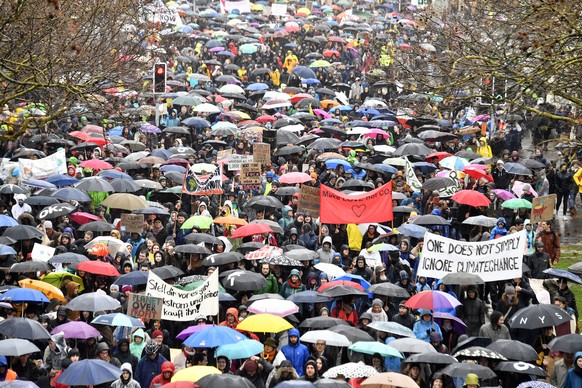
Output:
x=216 y=49
x=458 y=325
x=504 y=194
x=150 y=128
x=77 y=330
x=187 y=332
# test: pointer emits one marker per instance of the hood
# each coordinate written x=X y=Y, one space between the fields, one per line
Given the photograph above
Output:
x=295 y=332
x=138 y=333
x=423 y=312
x=285 y=209
x=501 y=219
x=127 y=366
x=483 y=139
x=327 y=239
x=577 y=356
x=122 y=341
x=526 y=222
x=294 y=272
x=167 y=366
x=233 y=311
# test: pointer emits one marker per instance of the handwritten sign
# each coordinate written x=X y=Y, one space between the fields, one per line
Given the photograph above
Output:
x=145 y=306
x=223 y=153
x=132 y=223
x=309 y=200
x=42 y=252
x=235 y=161
x=278 y=9
x=542 y=208
x=250 y=175
x=185 y=305
x=494 y=260
x=262 y=153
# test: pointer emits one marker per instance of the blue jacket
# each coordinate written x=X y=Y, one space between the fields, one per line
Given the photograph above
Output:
x=497 y=231
x=574 y=375
x=147 y=369
x=422 y=328
x=296 y=354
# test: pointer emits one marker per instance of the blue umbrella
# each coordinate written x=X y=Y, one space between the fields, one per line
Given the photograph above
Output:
x=7 y=221
x=364 y=111
x=562 y=273
x=89 y=372
x=19 y=295
x=257 y=86
x=291 y=45
x=308 y=297
x=134 y=278
x=356 y=279
x=172 y=167
x=376 y=347
x=71 y=194
x=225 y=297
x=310 y=81
x=39 y=184
x=196 y=122
x=62 y=180
x=303 y=72
x=386 y=168
x=114 y=174
x=6 y=250
x=333 y=163
x=118 y=319
x=331 y=121
x=115 y=131
x=411 y=230
x=225 y=53
x=240 y=350
x=214 y=336
x=213 y=43
x=341 y=108
x=161 y=153
x=425 y=167
x=150 y=128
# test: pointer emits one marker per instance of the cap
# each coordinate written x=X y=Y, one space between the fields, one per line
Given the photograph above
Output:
x=48 y=225
x=271 y=342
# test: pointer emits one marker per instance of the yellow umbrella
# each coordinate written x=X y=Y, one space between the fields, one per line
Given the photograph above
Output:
x=242 y=115
x=303 y=12
x=264 y=323
x=49 y=290
x=195 y=373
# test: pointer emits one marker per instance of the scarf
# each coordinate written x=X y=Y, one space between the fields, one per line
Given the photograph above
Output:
x=269 y=356
x=156 y=230
x=294 y=285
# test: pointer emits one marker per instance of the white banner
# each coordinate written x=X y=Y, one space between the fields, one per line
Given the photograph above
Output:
x=185 y=305
x=235 y=160
x=54 y=164
x=279 y=9
x=411 y=178
x=493 y=260
x=243 y=6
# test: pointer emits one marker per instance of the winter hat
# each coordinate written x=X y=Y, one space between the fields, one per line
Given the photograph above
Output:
x=126 y=288
x=472 y=379
x=434 y=336
x=510 y=290
x=250 y=366
x=271 y=342
x=377 y=302
x=157 y=333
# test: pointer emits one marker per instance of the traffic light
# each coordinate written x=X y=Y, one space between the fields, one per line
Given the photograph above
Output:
x=160 y=78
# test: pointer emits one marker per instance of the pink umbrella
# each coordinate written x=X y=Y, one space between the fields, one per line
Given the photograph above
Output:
x=96 y=164
x=321 y=112
x=77 y=329
x=82 y=218
x=216 y=49
x=504 y=194
x=376 y=131
x=481 y=118
x=477 y=166
x=294 y=177
x=518 y=189
x=265 y=252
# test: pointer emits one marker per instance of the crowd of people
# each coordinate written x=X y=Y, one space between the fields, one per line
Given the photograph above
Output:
x=240 y=79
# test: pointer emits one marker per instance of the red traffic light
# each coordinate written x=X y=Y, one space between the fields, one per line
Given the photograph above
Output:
x=160 y=70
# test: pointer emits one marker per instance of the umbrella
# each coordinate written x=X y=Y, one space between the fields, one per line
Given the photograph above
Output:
x=262 y=201
x=117 y=319
x=12 y=189
x=351 y=370
x=53 y=211
x=431 y=358
x=95 y=184
x=520 y=367
x=412 y=149
x=124 y=201
x=332 y=270
x=6 y=250
x=240 y=350
x=168 y=272
x=274 y=225
x=230 y=220
x=481 y=220
x=93 y=301
x=23 y=328
x=71 y=194
x=569 y=343
x=473 y=341
x=514 y=350
x=563 y=274
x=57 y=279
x=342 y=290
x=330 y=338
x=241 y=280
x=322 y=323
x=216 y=380
x=98 y=267
x=302 y=254
x=192 y=248
x=281 y=309
x=200 y=222
x=392 y=328
x=462 y=278
x=124 y=186
x=388 y=289
x=330 y=383
x=517 y=169
x=458 y=324
x=352 y=333
x=221 y=258
x=23 y=295
x=372 y=348
x=49 y=290
x=454 y=163
x=30 y=266
x=429 y=219
x=538 y=316
x=283 y=261
x=134 y=278
x=76 y=329
x=23 y=232
x=476 y=352
x=89 y=372
x=461 y=369
x=389 y=379
x=412 y=345
x=438 y=183
x=113 y=245
x=294 y=177
x=517 y=203
x=41 y=200
x=97 y=226
x=264 y=323
x=214 y=336
x=61 y=180
x=17 y=347
x=433 y=300
x=471 y=198
x=295 y=384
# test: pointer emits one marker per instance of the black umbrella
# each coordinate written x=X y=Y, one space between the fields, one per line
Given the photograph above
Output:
x=472 y=341
x=222 y=258
x=168 y=272
x=514 y=350
x=53 y=211
x=192 y=248
x=133 y=278
x=289 y=190
x=250 y=246
x=429 y=219
x=331 y=383
x=301 y=254
x=95 y=184
x=432 y=135
x=262 y=201
x=41 y=200
x=538 y=316
x=389 y=289
x=23 y=328
x=342 y=290
x=287 y=137
x=357 y=185
x=30 y=266
x=461 y=369
x=224 y=381
x=403 y=209
x=68 y=258
x=23 y=232
x=7 y=240
x=517 y=169
x=12 y=189
x=431 y=358
x=324 y=144
x=476 y=352
x=197 y=238
x=241 y=280
x=569 y=343
x=97 y=226
x=413 y=149
x=309 y=296
x=322 y=323
x=156 y=211
x=531 y=163
x=353 y=333
x=283 y=261
x=289 y=150
x=438 y=183
x=461 y=278
x=520 y=367
x=468 y=155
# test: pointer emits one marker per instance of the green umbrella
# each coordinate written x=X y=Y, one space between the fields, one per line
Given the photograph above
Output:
x=58 y=278
x=248 y=48
x=194 y=285
x=375 y=347
x=200 y=222
x=517 y=203
x=320 y=63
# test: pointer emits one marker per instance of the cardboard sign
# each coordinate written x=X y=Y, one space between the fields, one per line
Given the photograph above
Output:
x=542 y=208
x=309 y=5
x=493 y=260
x=262 y=153
x=279 y=9
x=250 y=176
x=235 y=161
x=132 y=223
x=223 y=153
x=309 y=201
x=145 y=306
x=42 y=252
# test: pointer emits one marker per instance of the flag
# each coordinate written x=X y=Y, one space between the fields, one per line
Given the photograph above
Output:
x=411 y=178
x=208 y=184
x=340 y=208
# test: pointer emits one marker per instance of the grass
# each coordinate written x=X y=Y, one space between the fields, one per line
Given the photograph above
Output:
x=572 y=254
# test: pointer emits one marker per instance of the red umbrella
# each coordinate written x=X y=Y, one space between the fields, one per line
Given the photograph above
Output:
x=294 y=177
x=98 y=268
x=266 y=119
x=82 y=218
x=251 y=230
x=471 y=198
x=477 y=173
x=93 y=129
x=336 y=39
x=96 y=164
x=97 y=140
x=298 y=97
x=348 y=283
x=439 y=155
x=331 y=53
x=79 y=135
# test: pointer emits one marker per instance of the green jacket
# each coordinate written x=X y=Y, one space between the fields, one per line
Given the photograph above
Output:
x=272 y=286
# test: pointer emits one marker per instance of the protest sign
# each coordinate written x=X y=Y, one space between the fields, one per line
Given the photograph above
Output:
x=132 y=223
x=542 y=208
x=53 y=164
x=42 y=252
x=207 y=184
x=309 y=200
x=223 y=154
x=278 y=9
x=157 y=12
x=340 y=208
x=185 y=305
x=494 y=260
x=235 y=160
x=411 y=178
x=262 y=153
x=250 y=176
x=242 y=6
x=145 y=306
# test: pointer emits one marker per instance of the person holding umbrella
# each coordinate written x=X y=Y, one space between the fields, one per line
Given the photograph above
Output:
x=425 y=326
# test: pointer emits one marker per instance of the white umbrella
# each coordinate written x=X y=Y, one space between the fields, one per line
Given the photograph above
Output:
x=351 y=370
x=273 y=95
x=358 y=131
x=427 y=47
x=332 y=270
x=330 y=338
x=412 y=345
x=113 y=244
x=384 y=149
x=280 y=308
x=228 y=88
x=206 y=108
